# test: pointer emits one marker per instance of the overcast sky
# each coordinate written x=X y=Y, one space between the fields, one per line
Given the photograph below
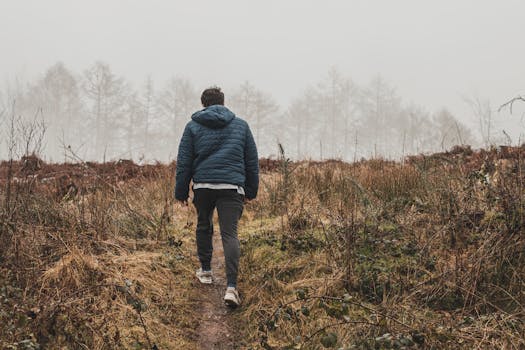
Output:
x=433 y=51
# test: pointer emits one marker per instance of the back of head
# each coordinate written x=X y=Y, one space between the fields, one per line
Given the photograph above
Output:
x=214 y=115
x=212 y=96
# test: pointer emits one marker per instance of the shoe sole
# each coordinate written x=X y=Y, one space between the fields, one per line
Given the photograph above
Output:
x=205 y=281
x=231 y=303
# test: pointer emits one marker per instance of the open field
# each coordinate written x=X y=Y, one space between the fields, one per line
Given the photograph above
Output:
x=424 y=254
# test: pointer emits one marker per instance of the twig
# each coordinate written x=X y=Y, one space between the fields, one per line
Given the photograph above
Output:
x=145 y=328
x=510 y=103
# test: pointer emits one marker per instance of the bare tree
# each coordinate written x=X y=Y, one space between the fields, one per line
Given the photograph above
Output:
x=105 y=93
x=482 y=110
x=31 y=135
x=13 y=93
x=299 y=119
x=325 y=117
x=380 y=109
x=175 y=103
x=133 y=113
x=333 y=98
x=417 y=126
x=243 y=100
x=449 y=131
x=148 y=109
x=348 y=107
x=259 y=109
x=24 y=139
x=11 y=146
x=57 y=97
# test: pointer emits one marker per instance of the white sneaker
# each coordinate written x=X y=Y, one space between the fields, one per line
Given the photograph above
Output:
x=231 y=298
x=205 y=277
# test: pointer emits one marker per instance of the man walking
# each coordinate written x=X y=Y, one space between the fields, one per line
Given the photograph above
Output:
x=218 y=152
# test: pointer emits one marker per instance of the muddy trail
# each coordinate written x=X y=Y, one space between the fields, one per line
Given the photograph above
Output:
x=216 y=326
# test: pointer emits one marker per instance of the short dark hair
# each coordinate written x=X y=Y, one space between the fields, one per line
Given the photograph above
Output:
x=212 y=96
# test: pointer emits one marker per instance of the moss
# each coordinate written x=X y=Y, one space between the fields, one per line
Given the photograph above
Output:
x=388 y=228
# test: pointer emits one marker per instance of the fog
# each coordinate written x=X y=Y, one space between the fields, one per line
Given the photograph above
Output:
x=343 y=79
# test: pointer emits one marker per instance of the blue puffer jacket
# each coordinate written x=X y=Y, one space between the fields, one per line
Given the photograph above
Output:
x=217 y=147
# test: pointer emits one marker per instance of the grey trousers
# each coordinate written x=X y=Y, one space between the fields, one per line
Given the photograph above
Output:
x=229 y=206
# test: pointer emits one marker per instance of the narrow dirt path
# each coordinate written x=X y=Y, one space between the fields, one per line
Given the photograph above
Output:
x=214 y=330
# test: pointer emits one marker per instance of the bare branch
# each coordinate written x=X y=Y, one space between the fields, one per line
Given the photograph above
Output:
x=511 y=103
x=31 y=134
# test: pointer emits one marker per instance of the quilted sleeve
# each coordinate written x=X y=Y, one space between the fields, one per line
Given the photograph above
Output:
x=184 y=165
x=251 y=161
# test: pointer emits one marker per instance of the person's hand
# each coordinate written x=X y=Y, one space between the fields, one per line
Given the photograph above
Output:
x=246 y=200
x=183 y=202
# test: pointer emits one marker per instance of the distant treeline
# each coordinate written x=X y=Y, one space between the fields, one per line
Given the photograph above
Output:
x=98 y=115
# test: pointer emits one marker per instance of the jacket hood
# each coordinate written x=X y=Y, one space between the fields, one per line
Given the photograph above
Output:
x=214 y=117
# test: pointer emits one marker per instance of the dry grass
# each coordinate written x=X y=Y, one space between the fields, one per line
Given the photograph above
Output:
x=371 y=255
x=102 y=269
x=425 y=254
